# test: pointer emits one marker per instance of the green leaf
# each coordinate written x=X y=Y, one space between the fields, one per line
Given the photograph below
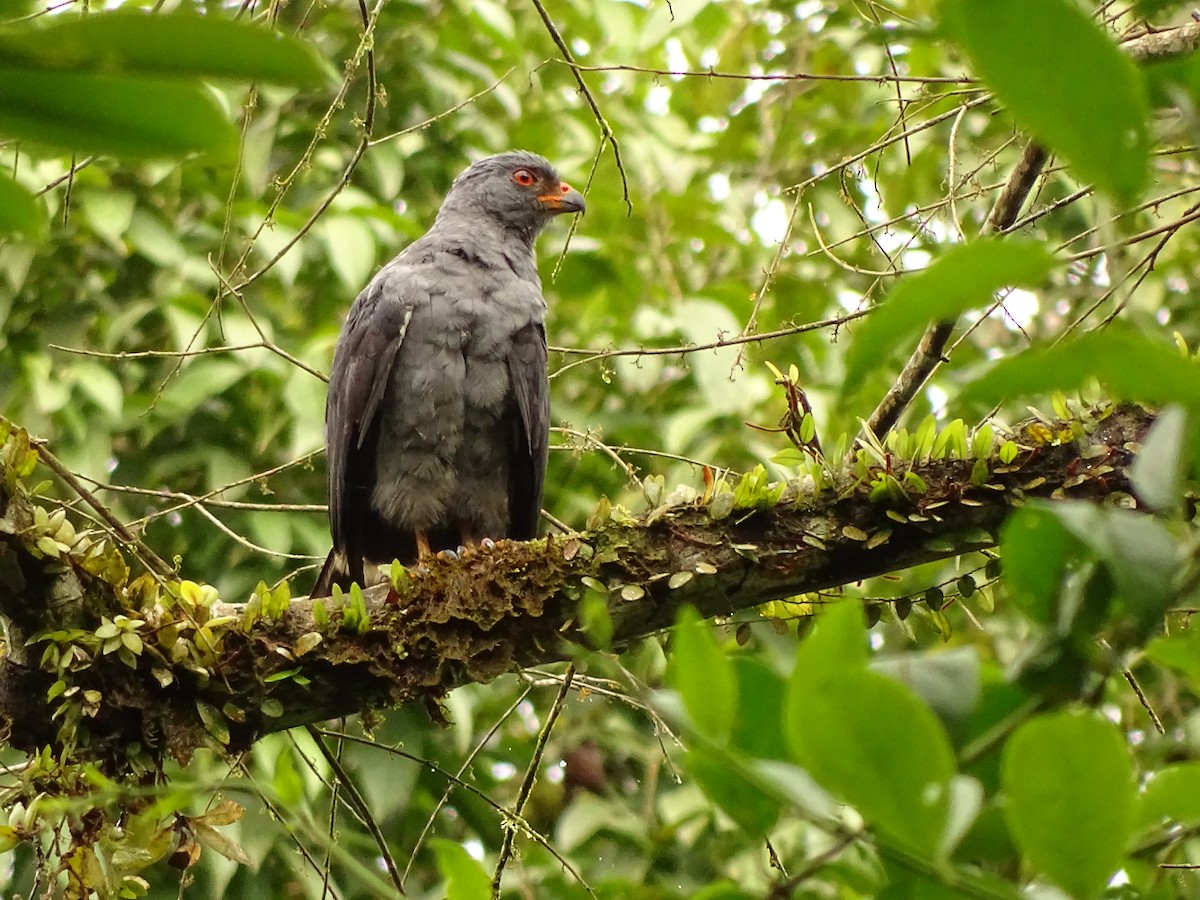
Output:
x=1088 y=105
x=1157 y=472
x=966 y=803
x=109 y=214
x=354 y=613
x=1036 y=547
x=1179 y=651
x=1140 y=553
x=1133 y=366
x=754 y=810
x=1148 y=9
x=594 y=618
x=1171 y=795
x=351 y=249
x=868 y=738
x=702 y=674
x=272 y=708
x=286 y=780
x=100 y=384
x=723 y=890
x=121 y=115
x=757 y=729
x=838 y=642
x=906 y=883
x=172 y=45
x=20 y=211
x=214 y=721
x=966 y=276
x=793 y=786
x=947 y=681
x=202 y=379
x=465 y=878
x=1171 y=79
x=1070 y=788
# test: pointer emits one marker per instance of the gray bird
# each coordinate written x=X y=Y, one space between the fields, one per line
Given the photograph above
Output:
x=438 y=413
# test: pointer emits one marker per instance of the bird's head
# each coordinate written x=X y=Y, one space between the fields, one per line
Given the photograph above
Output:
x=520 y=190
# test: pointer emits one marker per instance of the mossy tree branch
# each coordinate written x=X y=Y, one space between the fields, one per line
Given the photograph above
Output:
x=197 y=672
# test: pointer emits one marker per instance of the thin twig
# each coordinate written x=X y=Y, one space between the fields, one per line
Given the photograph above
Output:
x=539 y=749
x=335 y=801
x=784 y=889
x=466 y=764
x=1144 y=700
x=225 y=285
x=359 y=804
x=506 y=815
x=164 y=494
x=444 y=113
x=67 y=175
x=774 y=76
x=245 y=541
x=605 y=129
x=882 y=144
x=257 y=476
x=600 y=355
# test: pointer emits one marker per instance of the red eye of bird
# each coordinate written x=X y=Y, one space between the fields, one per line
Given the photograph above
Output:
x=523 y=177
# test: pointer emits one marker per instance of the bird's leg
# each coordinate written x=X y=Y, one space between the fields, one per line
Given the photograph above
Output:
x=423 y=550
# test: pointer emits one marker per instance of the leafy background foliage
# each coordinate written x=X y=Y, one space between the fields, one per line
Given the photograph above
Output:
x=168 y=330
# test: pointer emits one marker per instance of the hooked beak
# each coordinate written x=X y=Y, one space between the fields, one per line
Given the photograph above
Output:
x=564 y=199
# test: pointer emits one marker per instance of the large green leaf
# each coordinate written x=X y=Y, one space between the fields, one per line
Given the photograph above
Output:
x=868 y=738
x=703 y=676
x=1131 y=365
x=172 y=45
x=1140 y=553
x=1036 y=548
x=1064 y=80
x=723 y=891
x=757 y=729
x=947 y=680
x=465 y=877
x=745 y=802
x=121 y=115
x=1157 y=473
x=965 y=277
x=20 y=211
x=1180 y=651
x=1171 y=795
x=1070 y=788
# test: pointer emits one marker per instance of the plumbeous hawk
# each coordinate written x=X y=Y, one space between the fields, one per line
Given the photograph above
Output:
x=438 y=412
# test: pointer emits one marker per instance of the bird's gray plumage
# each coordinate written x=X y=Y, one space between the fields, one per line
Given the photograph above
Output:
x=438 y=413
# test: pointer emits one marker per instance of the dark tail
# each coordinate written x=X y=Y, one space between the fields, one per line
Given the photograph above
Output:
x=335 y=571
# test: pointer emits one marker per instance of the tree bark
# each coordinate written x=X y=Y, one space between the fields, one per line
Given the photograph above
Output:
x=203 y=673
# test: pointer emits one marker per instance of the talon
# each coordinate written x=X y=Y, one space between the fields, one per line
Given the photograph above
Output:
x=487 y=543
x=448 y=555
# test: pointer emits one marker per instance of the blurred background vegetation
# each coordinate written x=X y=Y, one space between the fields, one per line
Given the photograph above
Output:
x=169 y=333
